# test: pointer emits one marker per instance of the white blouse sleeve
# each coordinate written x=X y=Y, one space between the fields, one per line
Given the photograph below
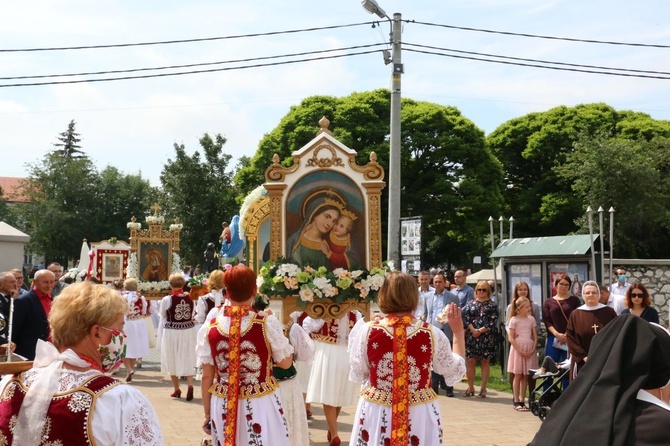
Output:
x=144 y=304
x=445 y=362
x=359 y=371
x=123 y=416
x=203 y=351
x=164 y=306
x=281 y=349
x=200 y=310
x=302 y=343
x=312 y=325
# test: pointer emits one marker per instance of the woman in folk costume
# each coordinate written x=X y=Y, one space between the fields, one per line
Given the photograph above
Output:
x=66 y=398
x=179 y=336
x=289 y=385
x=213 y=299
x=392 y=358
x=305 y=245
x=329 y=381
x=135 y=328
x=236 y=350
x=621 y=397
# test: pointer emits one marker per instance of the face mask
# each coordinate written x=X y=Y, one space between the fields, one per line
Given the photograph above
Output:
x=623 y=278
x=112 y=354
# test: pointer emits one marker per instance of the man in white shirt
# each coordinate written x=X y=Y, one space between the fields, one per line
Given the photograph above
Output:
x=424 y=289
x=618 y=290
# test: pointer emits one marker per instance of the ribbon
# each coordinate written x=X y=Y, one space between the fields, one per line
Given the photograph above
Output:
x=235 y=313
x=32 y=415
x=91 y=254
x=400 y=397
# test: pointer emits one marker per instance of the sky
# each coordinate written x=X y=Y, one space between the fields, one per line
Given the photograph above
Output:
x=134 y=124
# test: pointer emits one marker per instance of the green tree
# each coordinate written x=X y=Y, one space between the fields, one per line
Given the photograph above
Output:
x=531 y=147
x=69 y=143
x=119 y=197
x=631 y=176
x=448 y=174
x=6 y=213
x=62 y=200
x=199 y=191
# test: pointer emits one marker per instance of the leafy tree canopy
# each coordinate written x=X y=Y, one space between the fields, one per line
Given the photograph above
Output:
x=68 y=201
x=533 y=146
x=199 y=191
x=630 y=175
x=448 y=174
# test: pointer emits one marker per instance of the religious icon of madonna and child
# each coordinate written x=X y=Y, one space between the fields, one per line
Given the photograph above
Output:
x=328 y=233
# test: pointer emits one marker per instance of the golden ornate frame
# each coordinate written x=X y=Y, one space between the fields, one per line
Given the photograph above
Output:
x=325 y=152
x=155 y=233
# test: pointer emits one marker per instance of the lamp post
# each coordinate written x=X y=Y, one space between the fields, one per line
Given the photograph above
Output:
x=393 y=230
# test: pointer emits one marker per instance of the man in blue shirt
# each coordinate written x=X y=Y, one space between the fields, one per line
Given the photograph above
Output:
x=464 y=291
x=435 y=302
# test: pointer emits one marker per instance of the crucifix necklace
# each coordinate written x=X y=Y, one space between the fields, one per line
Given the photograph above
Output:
x=595 y=328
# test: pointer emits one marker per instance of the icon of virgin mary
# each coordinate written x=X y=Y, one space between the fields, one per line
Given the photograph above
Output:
x=306 y=246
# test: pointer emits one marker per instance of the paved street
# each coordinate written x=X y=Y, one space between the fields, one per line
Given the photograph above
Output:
x=467 y=421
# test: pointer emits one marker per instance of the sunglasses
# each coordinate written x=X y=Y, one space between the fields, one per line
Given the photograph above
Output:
x=483 y=290
x=636 y=294
x=563 y=284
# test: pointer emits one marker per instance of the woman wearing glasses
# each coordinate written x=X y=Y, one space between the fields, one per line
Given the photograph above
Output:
x=480 y=318
x=555 y=315
x=638 y=302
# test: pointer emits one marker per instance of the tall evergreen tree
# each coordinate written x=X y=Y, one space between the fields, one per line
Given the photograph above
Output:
x=69 y=143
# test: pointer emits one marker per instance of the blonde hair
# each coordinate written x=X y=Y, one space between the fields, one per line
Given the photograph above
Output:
x=176 y=280
x=398 y=294
x=486 y=286
x=216 y=280
x=130 y=284
x=79 y=307
x=518 y=303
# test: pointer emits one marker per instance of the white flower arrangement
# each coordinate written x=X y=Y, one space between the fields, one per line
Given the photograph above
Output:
x=155 y=219
x=249 y=200
x=176 y=227
x=283 y=279
x=134 y=225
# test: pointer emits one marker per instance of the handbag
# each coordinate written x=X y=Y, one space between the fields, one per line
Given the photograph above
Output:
x=560 y=345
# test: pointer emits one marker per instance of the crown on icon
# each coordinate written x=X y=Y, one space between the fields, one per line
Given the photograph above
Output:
x=349 y=214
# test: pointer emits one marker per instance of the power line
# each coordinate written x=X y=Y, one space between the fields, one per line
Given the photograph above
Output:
x=539 y=36
x=202 y=64
x=169 y=42
x=212 y=70
x=547 y=67
x=630 y=70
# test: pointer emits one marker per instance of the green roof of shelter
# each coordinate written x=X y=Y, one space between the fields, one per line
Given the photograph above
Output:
x=564 y=245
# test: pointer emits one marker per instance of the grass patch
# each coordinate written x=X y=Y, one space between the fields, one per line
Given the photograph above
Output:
x=495 y=379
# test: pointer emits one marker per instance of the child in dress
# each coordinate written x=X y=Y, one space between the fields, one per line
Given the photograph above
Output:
x=522 y=357
x=339 y=241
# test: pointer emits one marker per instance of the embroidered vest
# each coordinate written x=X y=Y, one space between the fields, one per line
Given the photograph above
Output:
x=180 y=314
x=135 y=312
x=256 y=377
x=209 y=301
x=328 y=332
x=380 y=355
x=68 y=419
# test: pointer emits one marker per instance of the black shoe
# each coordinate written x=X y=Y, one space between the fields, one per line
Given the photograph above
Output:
x=450 y=392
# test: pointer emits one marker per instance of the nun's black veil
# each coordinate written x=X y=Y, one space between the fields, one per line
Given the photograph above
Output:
x=597 y=408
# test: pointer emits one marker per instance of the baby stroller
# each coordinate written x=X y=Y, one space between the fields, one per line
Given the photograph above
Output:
x=549 y=386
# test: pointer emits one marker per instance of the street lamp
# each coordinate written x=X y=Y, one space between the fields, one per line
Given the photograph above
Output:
x=393 y=234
